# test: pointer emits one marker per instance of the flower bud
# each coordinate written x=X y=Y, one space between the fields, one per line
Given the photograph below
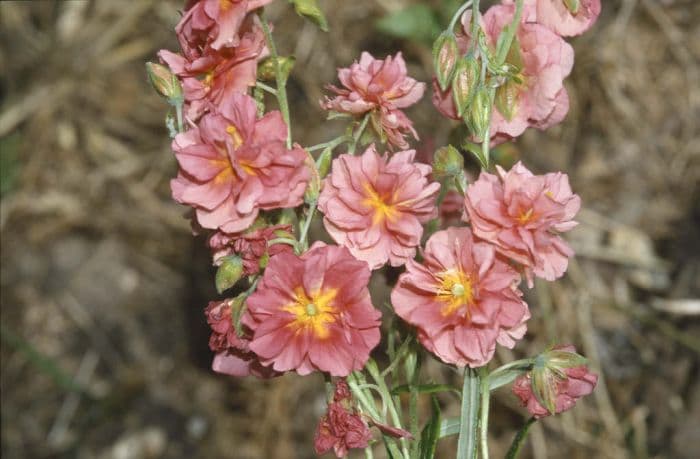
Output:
x=465 y=81
x=507 y=99
x=447 y=163
x=164 y=82
x=551 y=370
x=314 y=187
x=445 y=55
x=479 y=115
x=267 y=69
x=229 y=272
x=323 y=163
x=572 y=5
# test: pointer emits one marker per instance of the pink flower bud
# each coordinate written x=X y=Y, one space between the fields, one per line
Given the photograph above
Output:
x=445 y=55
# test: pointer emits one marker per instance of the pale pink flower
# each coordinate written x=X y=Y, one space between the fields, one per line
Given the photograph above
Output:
x=252 y=246
x=375 y=206
x=463 y=299
x=233 y=164
x=555 y=15
x=567 y=386
x=313 y=313
x=521 y=214
x=233 y=357
x=541 y=100
x=382 y=86
x=211 y=77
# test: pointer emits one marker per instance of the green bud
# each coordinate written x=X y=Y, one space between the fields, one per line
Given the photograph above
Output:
x=445 y=55
x=267 y=69
x=465 y=80
x=314 y=187
x=164 y=82
x=323 y=163
x=557 y=358
x=479 y=115
x=572 y=5
x=544 y=387
x=447 y=163
x=230 y=271
x=507 y=99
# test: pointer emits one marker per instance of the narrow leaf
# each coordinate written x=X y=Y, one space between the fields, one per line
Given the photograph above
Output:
x=431 y=433
x=424 y=389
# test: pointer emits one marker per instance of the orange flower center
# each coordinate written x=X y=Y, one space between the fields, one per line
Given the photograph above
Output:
x=313 y=313
x=455 y=292
x=382 y=205
x=526 y=216
x=235 y=135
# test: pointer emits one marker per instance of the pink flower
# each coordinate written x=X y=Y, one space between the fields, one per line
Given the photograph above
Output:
x=463 y=299
x=251 y=246
x=340 y=430
x=233 y=164
x=545 y=59
x=375 y=206
x=555 y=15
x=313 y=313
x=521 y=214
x=382 y=86
x=211 y=77
x=233 y=357
x=566 y=386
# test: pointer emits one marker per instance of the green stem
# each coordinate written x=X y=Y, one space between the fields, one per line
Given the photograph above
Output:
x=358 y=134
x=303 y=243
x=413 y=408
x=374 y=372
x=458 y=14
x=484 y=421
x=279 y=79
x=266 y=88
x=466 y=444
x=330 y=144
x=519 y=439
x=509 y=32
x=178 y=113
x=475 y=25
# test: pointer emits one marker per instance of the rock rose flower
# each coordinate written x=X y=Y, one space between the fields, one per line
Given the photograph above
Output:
x=565 y=385
x=536 y=95
x=463 y=299
x=313 y=313
x=233 y=164
x=382 y=87
x=251 y=246
x=233 y=357
x=341 y=428
x=211 y=77
x=375 y=205
x=558 y=17
x=521 y=214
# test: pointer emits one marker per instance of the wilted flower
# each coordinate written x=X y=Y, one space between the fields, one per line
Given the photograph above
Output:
x=313 y=313
x=233 y=164
x=375 y=206
x=533 y=93
x=340 y=429
x=211 y=77
x=521 y=214
x=382 y=86
x=565 y=17
x=251 y=246
x=233 y=357
x=463 y=299
x=554 y=385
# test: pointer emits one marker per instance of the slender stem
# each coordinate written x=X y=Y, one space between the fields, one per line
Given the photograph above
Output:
x=178 y=113
x=413 y=407
x=396 y=360
x=466 y=443
x=355 y=382
x=475 y=25
x=458 y=14
x=484 y=421
x=358 y=134
x=303 y=243
x=330 y=144
x=368 y=452
x=374 y=372
x=519 y=439
x=280 y=80
x=266 y=88
x=509 y=32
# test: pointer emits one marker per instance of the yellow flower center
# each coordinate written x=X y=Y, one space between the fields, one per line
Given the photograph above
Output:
x=455 y=291
x=235 y=135
x=314 y=312
x=382 y=209
x=526 y=216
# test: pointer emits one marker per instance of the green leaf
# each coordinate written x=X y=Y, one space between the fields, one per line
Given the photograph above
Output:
x=424 y=389
x=310 y=10
x=431 y=432
x=469 y=417
x=449 y=427
x=416 y=22
x=501 y=378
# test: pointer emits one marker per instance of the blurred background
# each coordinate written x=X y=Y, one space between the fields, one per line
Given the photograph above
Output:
x=104 y=343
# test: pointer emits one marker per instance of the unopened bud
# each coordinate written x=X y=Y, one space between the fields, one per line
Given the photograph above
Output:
x=230 y=271
x=479 y=115
x=267 y=69
x=465 y=81
x=549 y=370
x=323 y=163
x=445 y=55
x=164 y=82
x=447 y=163
x=314 y=187
x=507 y=99
x=572 y=5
